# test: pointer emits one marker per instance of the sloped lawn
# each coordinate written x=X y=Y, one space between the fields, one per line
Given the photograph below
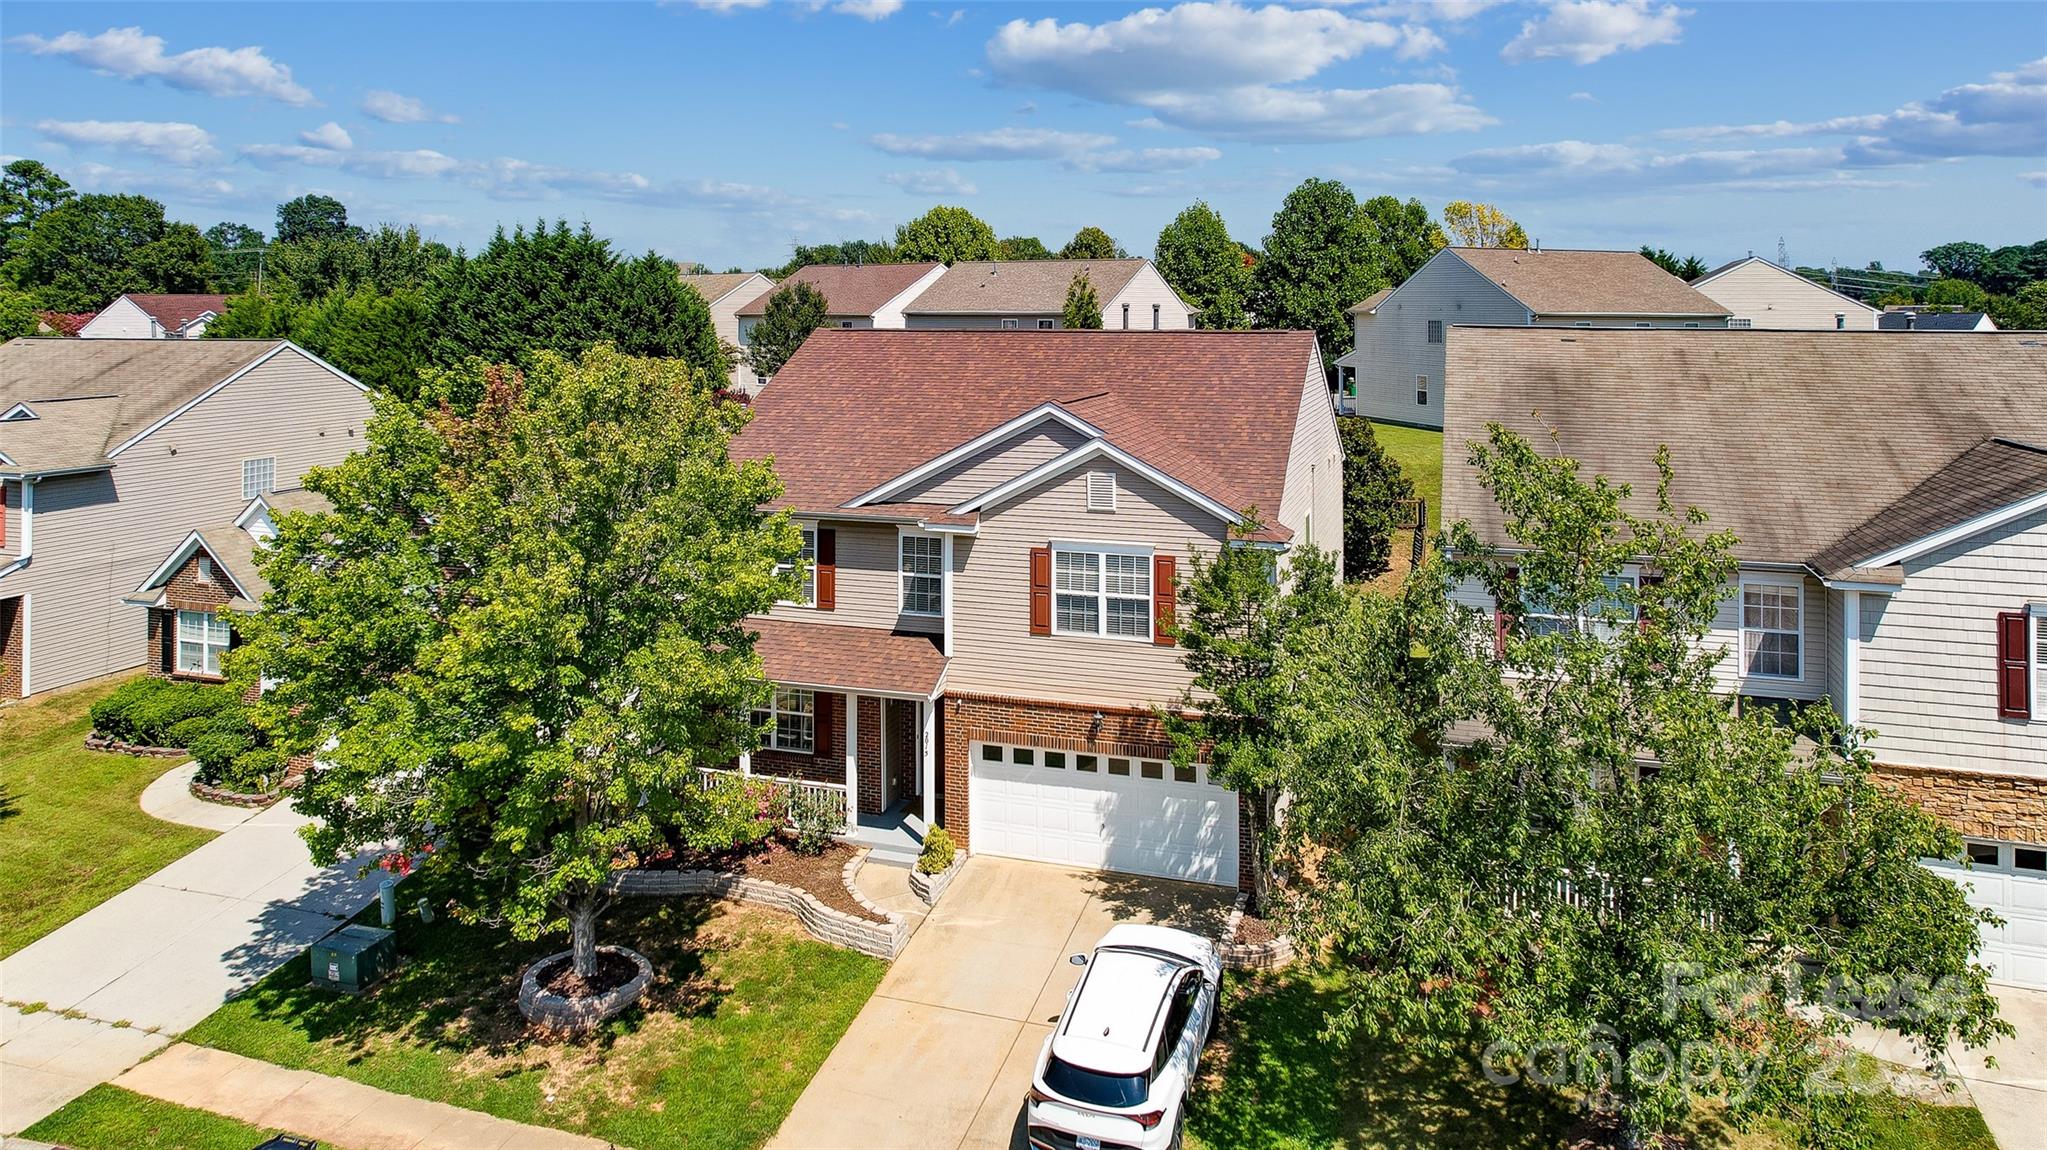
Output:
x=1275 y=1084
x=71 y=834
x=744 y=1008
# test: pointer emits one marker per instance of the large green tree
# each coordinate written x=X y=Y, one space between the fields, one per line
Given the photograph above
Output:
x=1025 y=248
x=1561 y=844
x=28 y=188
x=1960 y=295
x=1319 y=260
x=1083 y=309
x=1957 y=261
x=948 y=235
x=383 y=340
x=793 y=312
x=1378 y=497
x=521 y=631
x=237 y=255
x=1092 y=243
x=385 y=260
x=1480 y=225
x=1198 y=258
x=312 y=217
x=2022 y=310
x=843 y=252
x=81 y=254
x=1687 y=268
x=1407 y=235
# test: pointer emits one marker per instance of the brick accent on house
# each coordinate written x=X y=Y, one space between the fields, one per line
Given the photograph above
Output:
x=869 y=753
x=11 y=650
x=904 y=763
x=1979 y=805
x=187 y=590
x=827 y=762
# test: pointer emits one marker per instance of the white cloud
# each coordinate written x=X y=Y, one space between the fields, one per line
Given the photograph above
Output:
x=1448 y=11
x=186 y=145
x=329 y=135
x=2037 y=179
x=1584 y=97
x=931 y=182
x=132 y=54
x=393 y=108
x=1144 y=160
x=723 y=6
x=195 y=186
x=1220 y=67
x=1587 y=31
x=868 y=9
x=379 y=165
x=997 y=144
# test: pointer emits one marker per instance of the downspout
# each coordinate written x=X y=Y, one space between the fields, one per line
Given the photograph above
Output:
x=28 y=528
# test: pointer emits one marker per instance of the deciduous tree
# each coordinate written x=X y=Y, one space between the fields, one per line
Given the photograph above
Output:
x=1083 y=306
x=312 y=217
x=28 y=188
x=793 y=312
x=521 y=631
x=1092 y=243
x=1957 y=261
x=1198 y=258
x=1407 y=235
x=1959 y=295
x=81 y=254
x=237 y=251
x=948 y=235
x=1319 y=260
x=1481 y=226
x=1025 y=248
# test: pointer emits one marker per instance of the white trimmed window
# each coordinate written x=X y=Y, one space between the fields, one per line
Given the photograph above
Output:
x=1741 y=322
x=806 y=562
x=1772 y=630
x=922 y=567
x=1421 y=390
x=1101 y=592
x=791 y=719
x=2040 y=662
x=259 y=476
x=1009 y=325
x=202 y=638
x=1599 y=618
x=1044 y=325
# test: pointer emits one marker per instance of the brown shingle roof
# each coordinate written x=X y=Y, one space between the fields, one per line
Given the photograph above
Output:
x=1365 y=305
x=854 y=409
x=1993 y=474
x=90 y=395
x=714 y=287
x=1561 y=281
x=982 y=287
x=1792 y=439
x=175 y=311
x=852 y=658
x=850 y=289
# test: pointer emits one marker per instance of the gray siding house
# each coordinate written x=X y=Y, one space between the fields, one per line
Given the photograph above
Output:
x=112 y=451
x=1395 y=372
x=1893 y=555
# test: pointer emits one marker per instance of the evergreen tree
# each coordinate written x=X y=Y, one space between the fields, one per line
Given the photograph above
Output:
x=1083 y=307
x=1377 y=499
x=793 y=312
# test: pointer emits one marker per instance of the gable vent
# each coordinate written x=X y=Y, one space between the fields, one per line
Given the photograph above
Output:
x=1101 y=491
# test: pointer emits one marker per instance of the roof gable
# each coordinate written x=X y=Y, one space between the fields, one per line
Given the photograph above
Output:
x=998 y=287
x=176 y=312
x=716 y=286
x=1562 y=281
x=850 y=289
x=1759 y=263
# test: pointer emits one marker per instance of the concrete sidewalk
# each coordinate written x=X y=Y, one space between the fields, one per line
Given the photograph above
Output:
x=332 y=1111
x=164 y=953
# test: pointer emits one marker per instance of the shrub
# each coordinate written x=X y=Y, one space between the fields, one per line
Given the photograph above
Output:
x=254 y=771
x=144 y=712
x=227 y=737
x=185 y=732
x=817 y=818
x=736 y=811
x=938 y=852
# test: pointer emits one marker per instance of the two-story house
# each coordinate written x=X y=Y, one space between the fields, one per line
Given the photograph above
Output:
x=112 y=451
x=1030 y=295
x=142 y=316
x=725 y=294
x=1395 y=373
x=996 y=524
x=1893 y=553
x=1759 y=293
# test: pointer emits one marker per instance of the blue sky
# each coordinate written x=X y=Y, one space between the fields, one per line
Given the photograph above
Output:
x=723 y=130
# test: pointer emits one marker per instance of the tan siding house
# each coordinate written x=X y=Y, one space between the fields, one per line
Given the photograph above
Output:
x=138 y=316
x=1760 y=294
x=726 y=294
x=131 y=445
x=1030 y=295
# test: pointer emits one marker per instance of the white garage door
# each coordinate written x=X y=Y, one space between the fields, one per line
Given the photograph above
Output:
x=1102 y=812
x=2009 y=880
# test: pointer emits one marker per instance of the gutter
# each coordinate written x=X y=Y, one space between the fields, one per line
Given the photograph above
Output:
x=28 y=526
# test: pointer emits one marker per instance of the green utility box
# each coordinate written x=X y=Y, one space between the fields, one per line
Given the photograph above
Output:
x=354 y=957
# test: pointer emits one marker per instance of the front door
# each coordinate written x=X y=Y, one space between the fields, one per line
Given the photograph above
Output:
x=903 y=779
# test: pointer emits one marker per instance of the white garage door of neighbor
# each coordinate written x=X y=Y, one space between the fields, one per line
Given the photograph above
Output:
x=2010 y=881
x=1102 y=812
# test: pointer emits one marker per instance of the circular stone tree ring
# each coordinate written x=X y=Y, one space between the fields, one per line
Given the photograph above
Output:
x=544 y=1007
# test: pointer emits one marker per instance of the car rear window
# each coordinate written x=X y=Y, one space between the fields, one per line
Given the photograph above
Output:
x=1087 y=1086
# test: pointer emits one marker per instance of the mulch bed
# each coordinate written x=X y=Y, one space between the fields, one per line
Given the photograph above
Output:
x=1254 y=931
x=613 y=971
x=820 y=875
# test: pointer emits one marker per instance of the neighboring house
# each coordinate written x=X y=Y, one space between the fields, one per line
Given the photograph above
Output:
x=1766 y=295
x=1395 y=373
x=135 y=316
x=1893 y=554
x=1030 y=295
x=726 y=294
x=212 y=568
x=997 y=526
x=1915 y=319
x=111 y=451
x=856 y=295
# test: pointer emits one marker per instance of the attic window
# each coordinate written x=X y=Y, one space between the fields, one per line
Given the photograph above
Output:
x=17 y=412
x=259 y=476
x=1739 y=322
x=205 y=569
x=1101 y=491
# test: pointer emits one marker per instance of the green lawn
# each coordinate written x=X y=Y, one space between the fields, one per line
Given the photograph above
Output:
x=71 y=834
x=1282 y=1087
x=744 y=1008
x=110 y=1118
x=1420 y=454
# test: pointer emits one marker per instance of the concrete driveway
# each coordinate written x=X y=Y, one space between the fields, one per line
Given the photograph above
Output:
x=943 y=1052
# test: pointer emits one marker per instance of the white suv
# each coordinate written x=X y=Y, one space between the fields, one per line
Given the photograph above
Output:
x=1114 y=1075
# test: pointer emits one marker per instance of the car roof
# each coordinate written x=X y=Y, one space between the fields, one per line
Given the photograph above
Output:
x=1112 y=1021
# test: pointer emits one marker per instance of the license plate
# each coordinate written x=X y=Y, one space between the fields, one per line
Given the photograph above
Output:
x=1086 y=1142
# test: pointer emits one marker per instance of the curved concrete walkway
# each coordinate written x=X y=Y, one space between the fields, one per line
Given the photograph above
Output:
x=170 y=798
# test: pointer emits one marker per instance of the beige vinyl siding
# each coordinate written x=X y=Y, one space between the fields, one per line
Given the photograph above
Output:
x=10 y=550
x=1770 y=297
x=995 y=466
x=890 y=314
x=1025 y=321
x=1393 y=347
x=725 y=321
x=1311 y=503
x=993 y=650
x=1682 y=321
x=121 y=320
x=1146 y=288
x=98 y=536
x=867 y=592
x=1929 y=655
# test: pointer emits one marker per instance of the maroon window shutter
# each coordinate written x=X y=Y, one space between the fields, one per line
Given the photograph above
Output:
x=167 y=640
x=2014 y=686
x=826 y=581
x=821 y=730
x=1163 y=589
x=1503 y=620
x=1041 y=590
x=3 y=514
x=1649 y=585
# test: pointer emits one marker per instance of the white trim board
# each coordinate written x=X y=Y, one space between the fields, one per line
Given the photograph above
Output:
x=1092 y=450
x=202 y=397
x=1028 y=419
x=1959 y=531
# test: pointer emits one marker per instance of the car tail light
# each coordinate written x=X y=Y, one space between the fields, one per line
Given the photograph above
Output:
x=1149 y=1120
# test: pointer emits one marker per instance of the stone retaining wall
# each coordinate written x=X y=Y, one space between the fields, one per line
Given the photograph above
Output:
x=929 y=887
x=98 y=742
x=212 y=794
x=883 y=939
x=1246 y=956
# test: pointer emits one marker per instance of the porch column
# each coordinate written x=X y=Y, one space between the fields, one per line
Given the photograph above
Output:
x=927 y=745
x=1851 y=657
x=746 y=762
x=945 y=594
x=852 y=762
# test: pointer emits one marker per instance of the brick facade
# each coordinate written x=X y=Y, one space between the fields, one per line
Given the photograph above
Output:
x=904 y=763
x=827 y=762
x=869 y=752
x=187 y=590
x=1988 y=806
x=11 y=650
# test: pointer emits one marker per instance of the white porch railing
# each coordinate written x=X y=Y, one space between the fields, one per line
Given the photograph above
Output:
x=802 y=794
